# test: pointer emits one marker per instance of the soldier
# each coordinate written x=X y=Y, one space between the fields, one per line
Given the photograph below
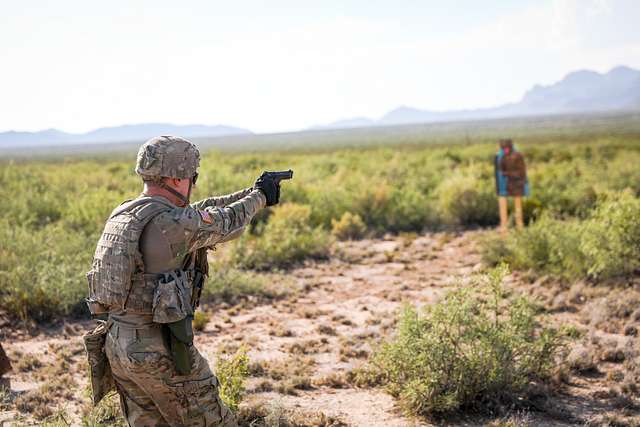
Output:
x=147 y=270
x=511 y=181
x=5 y=367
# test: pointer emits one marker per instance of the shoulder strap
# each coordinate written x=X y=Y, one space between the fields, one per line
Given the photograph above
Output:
x=129 y=205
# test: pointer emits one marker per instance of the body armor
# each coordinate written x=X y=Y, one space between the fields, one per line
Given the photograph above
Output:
x=117 y=279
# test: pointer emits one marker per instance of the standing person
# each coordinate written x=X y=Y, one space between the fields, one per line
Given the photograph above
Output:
x=5 y=367
x=148 y=267
x=511 y=181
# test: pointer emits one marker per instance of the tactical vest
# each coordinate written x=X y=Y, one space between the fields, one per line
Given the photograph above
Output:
x=117 y=279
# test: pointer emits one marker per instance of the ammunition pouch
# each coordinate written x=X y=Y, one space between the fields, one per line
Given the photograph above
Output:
x=99 y=369
x=96 y=308
x=172 y=306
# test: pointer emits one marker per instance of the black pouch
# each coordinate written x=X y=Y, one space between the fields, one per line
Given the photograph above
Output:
x=181 y=342
x=172 y=307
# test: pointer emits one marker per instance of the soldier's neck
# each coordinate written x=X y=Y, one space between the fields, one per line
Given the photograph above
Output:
x=154 y=190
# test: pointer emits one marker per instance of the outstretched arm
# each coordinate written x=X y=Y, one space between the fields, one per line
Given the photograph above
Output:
x=221 y=201
x=214 y=224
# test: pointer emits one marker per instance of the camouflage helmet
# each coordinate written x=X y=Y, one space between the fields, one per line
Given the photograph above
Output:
x=167 y=156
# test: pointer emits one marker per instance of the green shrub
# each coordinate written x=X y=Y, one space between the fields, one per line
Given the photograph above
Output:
x=605 y=244
x=232 y=374
x=54 y=209
x=42 y=272
x=549 y=245
x=477 y=348
x=349 y=226
x=611 y=237
x=410 y=210
x=107 y=413
x=231 y=285
x=200 y=320
x=286 y=239
x=466 y=200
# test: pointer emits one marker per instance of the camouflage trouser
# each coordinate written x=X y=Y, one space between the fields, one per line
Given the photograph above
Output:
x=152 y=393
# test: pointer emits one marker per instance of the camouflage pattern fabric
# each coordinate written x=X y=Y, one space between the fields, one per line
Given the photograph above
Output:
x=99 y=370
x=172 y=299
x=145 y=242
x=188 y=229
x=164 y=242
x=117 y=270
x=221 y=201
x=152 y=393
x=151 y=390
x=5 y=364
x=167 y=156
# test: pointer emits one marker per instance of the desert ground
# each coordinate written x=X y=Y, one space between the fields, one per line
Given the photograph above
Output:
x=304 y=345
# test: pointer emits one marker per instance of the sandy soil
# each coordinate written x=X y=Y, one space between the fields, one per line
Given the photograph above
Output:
x=343 y=307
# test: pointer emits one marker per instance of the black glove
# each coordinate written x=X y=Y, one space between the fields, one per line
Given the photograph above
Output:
x=269 y=187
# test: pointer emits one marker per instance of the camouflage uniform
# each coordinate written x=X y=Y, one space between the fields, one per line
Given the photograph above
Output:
x=138 y=345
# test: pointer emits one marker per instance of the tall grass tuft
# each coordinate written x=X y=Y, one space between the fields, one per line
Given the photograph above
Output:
x=232 y=374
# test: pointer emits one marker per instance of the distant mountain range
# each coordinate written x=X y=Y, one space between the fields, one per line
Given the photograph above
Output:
x=579 y=92
x=139 y=132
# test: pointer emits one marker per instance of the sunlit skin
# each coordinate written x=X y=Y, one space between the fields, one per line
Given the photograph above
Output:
x=181 y=185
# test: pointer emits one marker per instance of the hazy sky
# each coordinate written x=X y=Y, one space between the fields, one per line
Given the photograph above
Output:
x=284 y=65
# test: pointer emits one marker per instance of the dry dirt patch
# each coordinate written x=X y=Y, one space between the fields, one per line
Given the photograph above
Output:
x=303 y=347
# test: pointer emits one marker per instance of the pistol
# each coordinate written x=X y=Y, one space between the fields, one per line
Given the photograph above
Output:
x=280 y=175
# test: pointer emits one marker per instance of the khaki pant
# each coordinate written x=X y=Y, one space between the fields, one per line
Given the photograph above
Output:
x=152 y=393
x=504 y=215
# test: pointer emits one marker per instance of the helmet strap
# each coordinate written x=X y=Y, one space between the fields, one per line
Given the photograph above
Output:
x=189 y=192
x=185 y=200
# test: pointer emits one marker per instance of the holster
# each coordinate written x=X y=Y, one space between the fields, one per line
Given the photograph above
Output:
x=181 y=343
x=172 y=307
x=99 y=368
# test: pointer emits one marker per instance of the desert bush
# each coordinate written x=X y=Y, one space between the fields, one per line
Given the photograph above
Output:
x=477 y=348
x=603 y=245
x=54 y=209
x=42 y=271
x=259 y=414
x=231 y=285
x=467 y=200
x=200 y=320
x=6 y=398
x=287 y=238
x=548 y=245
x=106 y=413
x=349 y=226
x=611 y=238
x=232 y=373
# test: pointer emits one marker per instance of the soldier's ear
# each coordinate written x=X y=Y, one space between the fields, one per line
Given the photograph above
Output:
x=174 y=182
